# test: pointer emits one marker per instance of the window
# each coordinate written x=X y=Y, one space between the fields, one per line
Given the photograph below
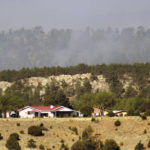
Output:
x=30 y=112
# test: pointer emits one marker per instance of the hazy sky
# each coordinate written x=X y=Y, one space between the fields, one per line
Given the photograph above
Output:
x=74 y=14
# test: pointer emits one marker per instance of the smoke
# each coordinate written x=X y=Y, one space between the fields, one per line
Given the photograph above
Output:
x=64 y=39
x=65 y=47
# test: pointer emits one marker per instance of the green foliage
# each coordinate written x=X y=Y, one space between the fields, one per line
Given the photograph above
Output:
x=31 y=143
x=15 y=135
x=84 y=145
x=145 y=131
x=143 y=117
x=131 y=92
x=139 y=146
x=117 y=123
x=93 y=119
x=86 y=134
x=18 y=124
x=86 y=109
x=105 y=99
x=21 y=132
x=87 y=86
x=10 y=102
x=12 y=143
x=35 y=131
x=93 y=77
x=111 y=144
x=74 y=129
x=64 y=146
x=58 y=99
x=41 y=147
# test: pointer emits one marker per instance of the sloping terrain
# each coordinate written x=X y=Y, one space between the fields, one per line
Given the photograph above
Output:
x=129 y=133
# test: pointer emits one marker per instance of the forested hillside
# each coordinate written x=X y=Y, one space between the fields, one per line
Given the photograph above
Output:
x=36 y=48
x=81 y=87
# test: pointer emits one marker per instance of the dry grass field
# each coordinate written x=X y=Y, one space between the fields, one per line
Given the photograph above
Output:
x=129 y=133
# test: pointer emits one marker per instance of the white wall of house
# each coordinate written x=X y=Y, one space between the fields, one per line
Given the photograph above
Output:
x=7 y=115
x=25 y=113
x=50 y=114
x=29 y=113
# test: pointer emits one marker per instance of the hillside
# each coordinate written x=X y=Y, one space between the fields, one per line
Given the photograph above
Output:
x=71 y=81
x=128 y=134
x=111 y=86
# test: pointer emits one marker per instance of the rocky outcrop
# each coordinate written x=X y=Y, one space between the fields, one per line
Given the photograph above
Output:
x=71 y=80
x=4 y=85
x=99 y=84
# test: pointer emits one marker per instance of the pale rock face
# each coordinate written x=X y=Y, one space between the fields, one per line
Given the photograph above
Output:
x=4 y=85
x=127 y=81
x=97 y=85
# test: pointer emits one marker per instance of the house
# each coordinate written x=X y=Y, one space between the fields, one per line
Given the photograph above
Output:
x=99 y=112
x=44 y=111
x=103 y=112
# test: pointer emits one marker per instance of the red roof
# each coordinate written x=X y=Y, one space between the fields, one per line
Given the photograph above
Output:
x=44 y=108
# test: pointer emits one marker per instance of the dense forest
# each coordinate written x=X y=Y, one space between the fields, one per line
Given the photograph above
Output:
x=28 y=48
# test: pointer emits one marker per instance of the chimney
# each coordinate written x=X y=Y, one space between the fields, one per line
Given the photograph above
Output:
x=51 y=106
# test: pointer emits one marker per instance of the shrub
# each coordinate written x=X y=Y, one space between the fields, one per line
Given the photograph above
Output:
x=41 y=147
x=12 y=143
x=89 y=129
x=1 y=137
x=21 y=132
x=74 y=129
x=143 y=117
x=117 y=123
x=85 y=135
x=93 y=119
x=121 y=143
x=84 y=145
x=35 y=131
x=145 y=131
x=87 y=132
x=110 y=114
x=41 y=125
x=31 y=143
x=15 y=135
x=139 y=146
x=18 y=124
x=111 y=144
x=62 y=141
x=148 y=145
x=64 y=147
x=51 y=127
